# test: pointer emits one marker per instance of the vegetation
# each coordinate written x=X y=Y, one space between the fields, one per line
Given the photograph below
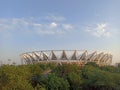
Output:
x=59 y=77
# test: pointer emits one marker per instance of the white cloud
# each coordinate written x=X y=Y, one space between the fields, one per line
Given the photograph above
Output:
x=67 y=26
x=55 y=18
x=53 y=25
x=37 y=25
x=101 y=30
x=26 y=25
x=45 y=32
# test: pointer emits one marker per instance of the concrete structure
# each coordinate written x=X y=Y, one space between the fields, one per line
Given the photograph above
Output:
x=66 y=56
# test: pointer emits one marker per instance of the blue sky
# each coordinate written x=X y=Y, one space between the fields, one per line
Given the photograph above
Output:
x=33 y=25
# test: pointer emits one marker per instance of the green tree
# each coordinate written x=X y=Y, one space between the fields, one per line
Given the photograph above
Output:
x=56 y=83
x=65 y=69
x=14 y=78
x=95 y=78
x=75 y=81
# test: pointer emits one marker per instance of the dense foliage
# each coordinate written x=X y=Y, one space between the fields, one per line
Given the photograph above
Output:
x=59 y=77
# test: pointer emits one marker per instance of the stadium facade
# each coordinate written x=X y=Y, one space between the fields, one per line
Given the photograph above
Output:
x=66 y=56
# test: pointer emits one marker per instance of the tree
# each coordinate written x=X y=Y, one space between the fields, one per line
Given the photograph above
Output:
x=56 y=83
x=75 y=81
x=14 y=78
x=65 y=69
x=95 y=78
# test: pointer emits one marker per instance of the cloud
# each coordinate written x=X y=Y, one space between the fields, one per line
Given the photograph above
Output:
x=36 y=24
x=53 y=25
x=101 y=30
x=55 y=18
x=44 y=32
x=67 y=26
x=28 y=25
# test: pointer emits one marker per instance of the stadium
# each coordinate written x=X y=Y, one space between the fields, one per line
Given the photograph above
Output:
x=80 y=57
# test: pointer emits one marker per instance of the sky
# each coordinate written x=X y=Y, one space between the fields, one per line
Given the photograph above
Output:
x=35 y=25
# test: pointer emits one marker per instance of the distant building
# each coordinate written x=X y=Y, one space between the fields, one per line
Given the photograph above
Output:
x=1 y=63
x=66 y=56
x=117 y=64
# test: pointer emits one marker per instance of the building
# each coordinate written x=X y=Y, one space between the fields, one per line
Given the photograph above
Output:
x=66 y=56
